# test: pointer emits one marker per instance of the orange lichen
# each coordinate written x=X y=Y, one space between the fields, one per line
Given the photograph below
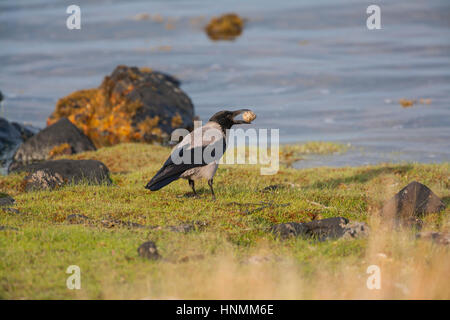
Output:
x=146 y=69
x=226 y=27
x=102 y=115
x=158 y=18
x=406 y=103
x=169 y=26
x=177 y=121
x=425 y=101
x=150 y=126
x=62 y=149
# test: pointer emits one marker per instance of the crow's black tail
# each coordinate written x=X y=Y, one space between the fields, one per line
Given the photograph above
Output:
x=156 y=184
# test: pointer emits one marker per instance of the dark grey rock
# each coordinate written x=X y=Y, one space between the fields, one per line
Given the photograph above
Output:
x=111 y=223
x=9 y=135
x=330 y=228
x=48 y=175
x=107 y=223
x=410 y=203
x=12 y=134
x=6 y=200
x=436 y=237
x=148 y=250
x=5 y=228
x=77 y=219
x=11 y=210
x=38 y=147
x=26 y=131
x=10 y=139
x=187 y=227
x=273 y=188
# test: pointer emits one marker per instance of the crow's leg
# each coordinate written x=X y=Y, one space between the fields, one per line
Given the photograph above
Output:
x=191 y=183
x=210 y=183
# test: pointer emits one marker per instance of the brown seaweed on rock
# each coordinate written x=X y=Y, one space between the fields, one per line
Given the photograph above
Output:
x=226 y=27
x=131 y=104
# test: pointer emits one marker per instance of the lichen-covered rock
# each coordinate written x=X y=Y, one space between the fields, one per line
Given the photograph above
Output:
x=49 y=175
x=330 y=228
x=226 y=27
x=60 y=138
x=410 y=203
x=131 y=104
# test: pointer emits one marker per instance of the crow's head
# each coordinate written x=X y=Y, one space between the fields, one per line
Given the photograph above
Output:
x=226 y=119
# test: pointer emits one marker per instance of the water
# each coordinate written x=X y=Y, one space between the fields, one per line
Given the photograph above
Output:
x=310 y=68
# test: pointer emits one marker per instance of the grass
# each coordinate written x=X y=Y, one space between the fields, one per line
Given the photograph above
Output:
x=233 y=256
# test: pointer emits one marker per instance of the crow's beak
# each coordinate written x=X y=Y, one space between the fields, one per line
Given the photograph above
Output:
x=237 y=113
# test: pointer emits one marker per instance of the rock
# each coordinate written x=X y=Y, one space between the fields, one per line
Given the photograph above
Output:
x=10 y=138
x=226 y=27
x=12 y=134
x=9 y=135
x=273 y=188
x=11 y=210
x=355 y=230
x=410 y=203
x=111 y=223
x=183 y=228
x=48 y=175
x=26 y=131
x=50 y=142
x=188 y=227
x=6 y=200
x=4 y=228
x=131 y=104
x=77 y=219
x=330 y=228
x=107 y=223
x=436 y=237
x=148 y=250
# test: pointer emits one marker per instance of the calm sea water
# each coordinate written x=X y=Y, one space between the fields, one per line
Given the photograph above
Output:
x=309 y=68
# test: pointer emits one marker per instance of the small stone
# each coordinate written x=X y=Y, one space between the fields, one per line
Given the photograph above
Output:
x=182 y=228
x=11 y=210
x=273 y=187
x=148 y=250
x=324 y=229
x=77 y=219
x=6 y=228
x=111 y=223
x=6 y=200
x=436 y=237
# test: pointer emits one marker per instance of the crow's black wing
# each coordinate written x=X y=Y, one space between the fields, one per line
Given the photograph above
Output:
x=185 y=159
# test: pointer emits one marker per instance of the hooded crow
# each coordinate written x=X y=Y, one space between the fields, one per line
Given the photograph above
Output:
x=197 y=156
